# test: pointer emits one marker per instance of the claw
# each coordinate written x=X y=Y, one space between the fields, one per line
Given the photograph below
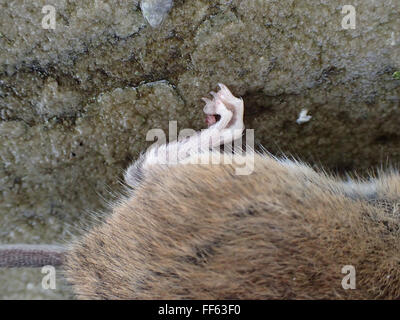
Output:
x=225 y=92
x=222 y=86
x=206 y=100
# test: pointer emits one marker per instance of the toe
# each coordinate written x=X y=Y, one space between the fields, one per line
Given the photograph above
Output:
x=219 y=106
x=223 y=87
x=206 y=100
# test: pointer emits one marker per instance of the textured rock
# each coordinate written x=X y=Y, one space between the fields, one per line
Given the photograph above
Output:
x=76 y=102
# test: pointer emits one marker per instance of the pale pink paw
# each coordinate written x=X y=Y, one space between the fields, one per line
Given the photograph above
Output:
x=228 y=100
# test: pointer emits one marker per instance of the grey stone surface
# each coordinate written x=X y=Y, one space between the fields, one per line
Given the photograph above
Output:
x=76 y=102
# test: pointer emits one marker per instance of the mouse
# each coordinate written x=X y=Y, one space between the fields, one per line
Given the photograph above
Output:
x=193 y=225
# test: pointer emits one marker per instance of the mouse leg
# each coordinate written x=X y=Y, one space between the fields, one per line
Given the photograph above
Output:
x=230 y=109
x=229 y=127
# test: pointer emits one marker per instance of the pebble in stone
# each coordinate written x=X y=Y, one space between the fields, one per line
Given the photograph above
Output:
x=154 y=11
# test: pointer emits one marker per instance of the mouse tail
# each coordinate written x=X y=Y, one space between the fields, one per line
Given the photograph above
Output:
x=31 y=255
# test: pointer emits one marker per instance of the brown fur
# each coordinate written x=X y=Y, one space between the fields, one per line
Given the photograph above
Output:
x=202 y=232
x=192 y=231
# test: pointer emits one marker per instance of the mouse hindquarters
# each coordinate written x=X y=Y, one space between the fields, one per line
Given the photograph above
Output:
x=202 y=232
